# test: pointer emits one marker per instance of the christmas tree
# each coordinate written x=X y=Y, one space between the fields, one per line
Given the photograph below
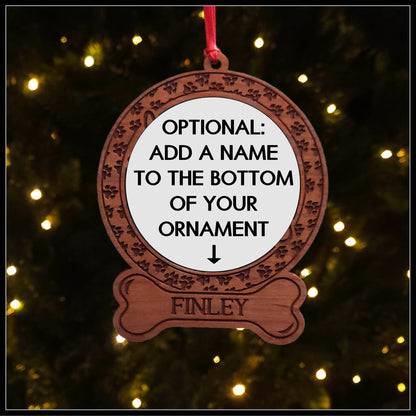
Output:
x=70 y=72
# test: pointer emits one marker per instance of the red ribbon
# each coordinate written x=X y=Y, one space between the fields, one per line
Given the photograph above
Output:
x=212 y=49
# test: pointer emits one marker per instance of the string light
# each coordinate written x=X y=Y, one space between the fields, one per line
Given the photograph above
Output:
x=259 y=42
x=136 y=403
x=240 y=329
x=136 y=39
x=401 y=387
x=408 y=274
x=350 y=242
x=302 y=78
x=385 y=349
x=46 y=225
x=89 y=61
x=11 y=270
x=356 y=379
x=120 y=339
x=400 y=340
x=33 y=84
x=15 y=304
x=36 y=194
x=320 y=374
x=339 y=226
x=331 y=108
x=239 y=389
x=386 y=154
x=201 y=14
x=216 y=359
x=313 y=292
x=64 y=39
x=305 y=272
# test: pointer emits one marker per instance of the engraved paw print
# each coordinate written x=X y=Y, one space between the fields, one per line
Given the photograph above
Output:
x=106 y=171
x=189 y=88
x=136 y=109
x=267 y=92
x=297 y=129
x=170 y=87
x=309 y=185
x=120 y=130
x=312 y=207
x=303 y=145
x=110 y=191
x=277 y=109
x=109 y=211
x=117 y=231
x=279 y=266
x=138 y=249
x=297 y=245
x=186 y=282
x=135 y=125
x=160 y=266
x=299 y=229
x=281 y=251
x=119 y=148
x=290 y=111
x=229 y=80
x=264 y=271
x=253 y=94
x=216 y=86
x=223 y=280
x=202 y=80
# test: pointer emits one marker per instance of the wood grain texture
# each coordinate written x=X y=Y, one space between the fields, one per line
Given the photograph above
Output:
x=147 y=307
x=155 y=275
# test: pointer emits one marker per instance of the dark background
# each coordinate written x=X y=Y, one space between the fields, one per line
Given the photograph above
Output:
x=61 y=348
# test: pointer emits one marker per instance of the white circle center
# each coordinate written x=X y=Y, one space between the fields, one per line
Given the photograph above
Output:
x=212 y=184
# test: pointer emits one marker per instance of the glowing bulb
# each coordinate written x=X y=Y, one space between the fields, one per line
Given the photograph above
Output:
x=36 y=194
x=350 y=241
x=386 y=154
x=136 y=39
x=400 y=340
x=313 y=292
x=186 y=62
x=239 y=389
x=408 y=274
x=120 y=339
x=64 y=39
x=339 y=226
x=216 y=359
x=33 y=84
x=89 y=61
x=356 y=379
x=259 y=42
x=11 y=270
x=401 y=153
x=136 y=403
x=401 y=387
x=331 y=108
x=320 y=374
x=305 y=272
x=201 y=14
x=385 y=349
x=46 y=225
x=240 y=329
x=302 y=78
x=15 y=304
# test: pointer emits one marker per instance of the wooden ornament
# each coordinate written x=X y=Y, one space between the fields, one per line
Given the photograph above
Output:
x=212 y=185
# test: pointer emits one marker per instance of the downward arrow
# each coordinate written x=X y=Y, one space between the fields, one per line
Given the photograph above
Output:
x=214 y=257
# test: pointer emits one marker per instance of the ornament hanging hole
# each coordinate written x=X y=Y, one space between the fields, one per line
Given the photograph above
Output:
x=220 y=64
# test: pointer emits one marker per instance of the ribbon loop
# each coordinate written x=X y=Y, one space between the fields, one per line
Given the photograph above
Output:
x=212 y=49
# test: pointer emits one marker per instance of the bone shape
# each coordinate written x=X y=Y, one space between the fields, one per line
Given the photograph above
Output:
x=147 y=307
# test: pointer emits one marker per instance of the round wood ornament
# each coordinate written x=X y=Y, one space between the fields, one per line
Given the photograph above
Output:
x=212 y=185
